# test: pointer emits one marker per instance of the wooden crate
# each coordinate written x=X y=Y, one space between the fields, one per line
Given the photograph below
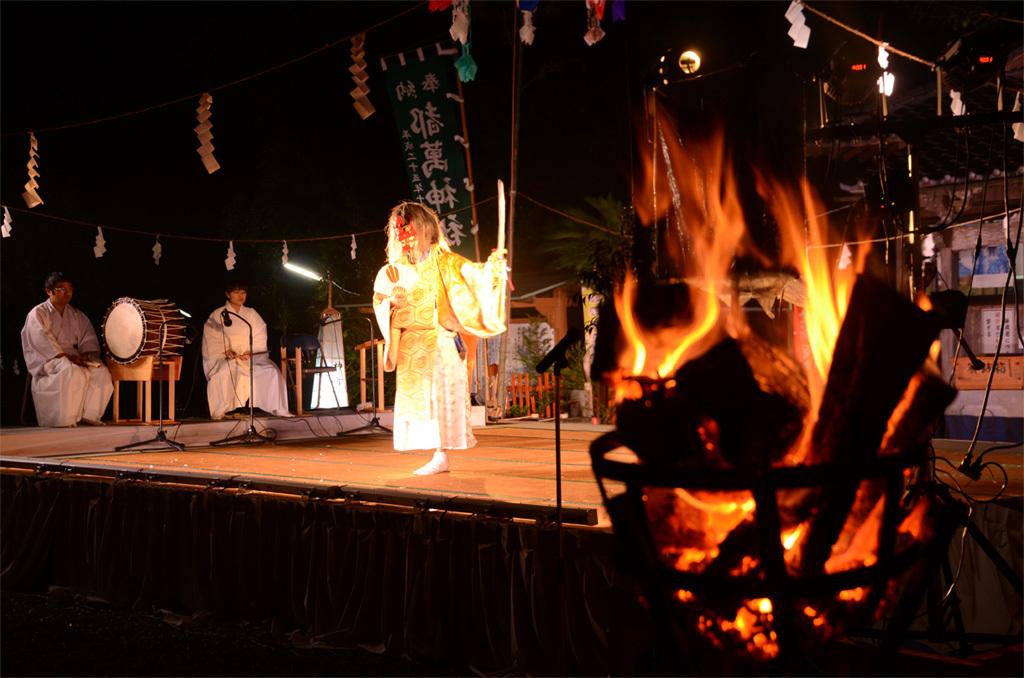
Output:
x=1009 y=373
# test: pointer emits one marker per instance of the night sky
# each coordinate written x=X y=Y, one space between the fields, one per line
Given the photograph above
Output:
x=296 y=158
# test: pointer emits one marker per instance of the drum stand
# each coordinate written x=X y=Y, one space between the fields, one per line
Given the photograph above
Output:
x=251 y=435
x=161 y=435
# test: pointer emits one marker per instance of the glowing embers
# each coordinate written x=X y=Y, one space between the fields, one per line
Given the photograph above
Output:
x=751 y=629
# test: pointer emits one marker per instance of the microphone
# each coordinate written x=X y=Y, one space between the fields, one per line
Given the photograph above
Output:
x=226 y=317
x=557 y=354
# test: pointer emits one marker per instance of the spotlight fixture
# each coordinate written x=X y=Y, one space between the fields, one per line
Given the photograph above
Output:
x=972 y=61
x=689 y=62
x=851 y=75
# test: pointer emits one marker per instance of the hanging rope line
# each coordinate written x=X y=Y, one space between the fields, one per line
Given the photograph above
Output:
x=171 y=236
x=902 y=236
x=850 y=29
x=568 y=216
x=222 y=86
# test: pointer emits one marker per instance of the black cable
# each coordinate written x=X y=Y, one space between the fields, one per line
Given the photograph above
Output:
x=1011 y=248
x=946 y=221
x=968 y=466
x=977 y=246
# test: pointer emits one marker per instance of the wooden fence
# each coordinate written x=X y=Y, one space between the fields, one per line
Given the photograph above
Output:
x=531 y=394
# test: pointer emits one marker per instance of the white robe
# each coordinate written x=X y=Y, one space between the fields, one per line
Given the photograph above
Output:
x=228 y=380
x=64 y=393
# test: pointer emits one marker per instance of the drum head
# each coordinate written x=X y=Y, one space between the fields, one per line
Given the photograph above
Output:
x=124 y=330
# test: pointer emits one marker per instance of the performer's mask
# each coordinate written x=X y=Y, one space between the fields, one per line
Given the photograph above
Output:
x=406 y=234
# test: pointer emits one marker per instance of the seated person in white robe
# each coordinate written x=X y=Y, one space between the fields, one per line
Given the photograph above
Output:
x=69 y=382
x=226 y=360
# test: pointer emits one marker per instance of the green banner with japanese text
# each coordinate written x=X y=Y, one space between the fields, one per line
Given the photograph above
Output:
x=429 y=126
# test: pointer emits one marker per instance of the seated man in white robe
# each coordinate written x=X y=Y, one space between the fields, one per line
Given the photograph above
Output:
x=227 y=357
x=69 y=382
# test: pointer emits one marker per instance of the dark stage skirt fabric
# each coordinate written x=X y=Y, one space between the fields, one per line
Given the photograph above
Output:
x=434 y=586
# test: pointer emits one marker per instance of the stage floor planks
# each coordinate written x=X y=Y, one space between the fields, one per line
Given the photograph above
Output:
x=511 y=463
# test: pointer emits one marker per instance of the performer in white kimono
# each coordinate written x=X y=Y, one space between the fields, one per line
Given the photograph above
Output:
x=69 y=382
x=425 y=297
x=226 y=360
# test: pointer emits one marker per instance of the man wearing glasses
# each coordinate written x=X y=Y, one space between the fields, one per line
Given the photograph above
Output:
x=69 y=382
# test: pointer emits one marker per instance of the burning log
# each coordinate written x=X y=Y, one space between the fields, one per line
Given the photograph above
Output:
x=882 y=343
x=910 y=426
x=742 y=402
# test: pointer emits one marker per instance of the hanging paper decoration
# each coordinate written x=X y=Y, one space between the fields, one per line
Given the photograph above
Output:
x=799 y=31
x=885 y=83
x=465 y=65
x=845 y=258
x=359 y=76
x=158 y=251
x=883 y=56
x=229 y=261
x=284 y=251
x=528 y=7
x=439 y=5
x=16 y=368
x=31 y=195
x=204 y=134
x=595 y=12
x=460 y=21
x=886 y=80
x=100 y=248
x=5 y=230
x=1018 y=127
x=526 y=31
x=928 y=246
x=353 y=247
x=956 y=104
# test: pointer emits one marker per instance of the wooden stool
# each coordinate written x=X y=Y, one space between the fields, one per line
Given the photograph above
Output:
x=362 y=348
x=144 y=372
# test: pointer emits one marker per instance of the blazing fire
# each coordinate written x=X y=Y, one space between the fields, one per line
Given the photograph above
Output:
x=698 y=531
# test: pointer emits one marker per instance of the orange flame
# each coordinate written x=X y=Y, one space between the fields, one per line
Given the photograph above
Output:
x=705 y=203
x=806 y=246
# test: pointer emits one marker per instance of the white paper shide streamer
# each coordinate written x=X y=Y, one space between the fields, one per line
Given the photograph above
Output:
x=594 y=32
x=158 y=251
x=956 y=104
x=284 y=252
x=353 y=247
x=799 y=31
x=526 y=31
x=845 y=258
x=460 y=21
x=229 y=261
x=360 y=93
x=31 y=195
x=100 y=248
x=1018 y=127
x=204 y=134
x=5 y=230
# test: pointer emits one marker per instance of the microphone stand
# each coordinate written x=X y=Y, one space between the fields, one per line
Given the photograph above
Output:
x=374 y=426
x=161 y=435
x=251 y=435
x=558 y=362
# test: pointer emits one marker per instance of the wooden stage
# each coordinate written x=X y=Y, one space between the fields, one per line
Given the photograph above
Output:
x=511 y=471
